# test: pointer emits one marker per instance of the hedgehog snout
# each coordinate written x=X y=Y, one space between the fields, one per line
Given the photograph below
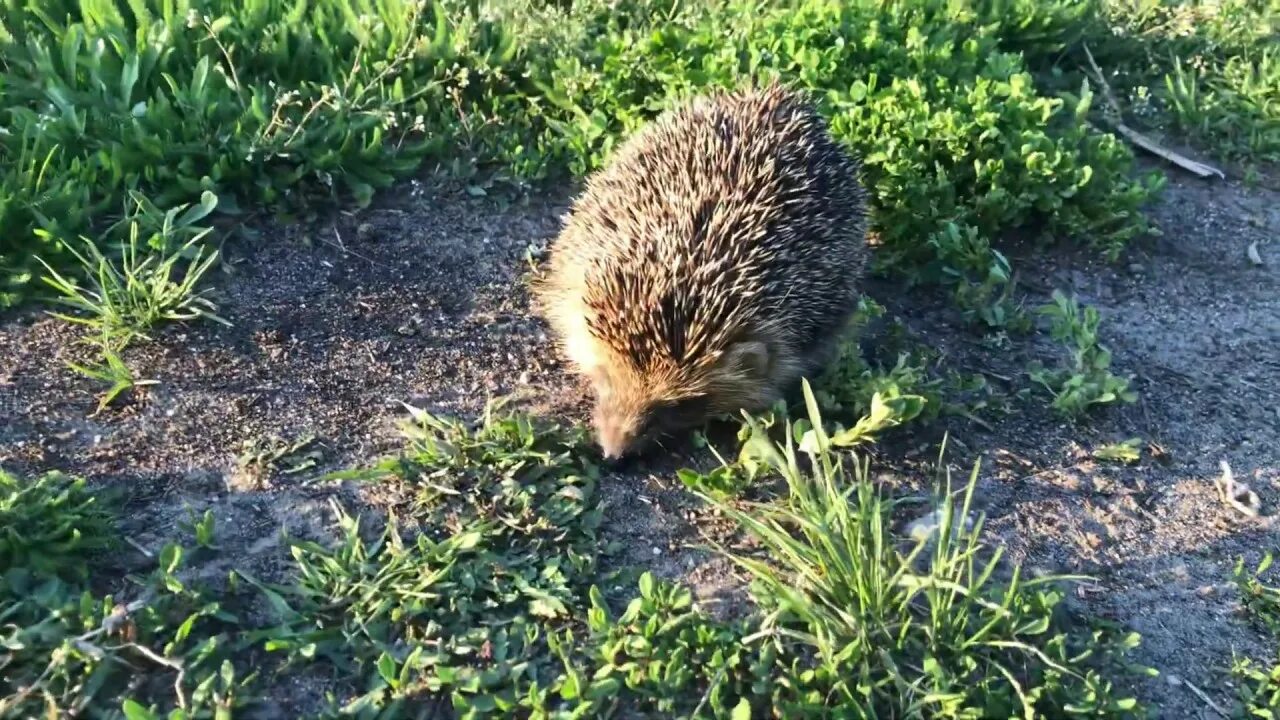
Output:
x=615 y=433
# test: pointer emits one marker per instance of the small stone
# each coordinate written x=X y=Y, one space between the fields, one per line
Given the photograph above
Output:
x=1136 y=268
x=1173 y=680
x=407 y=330
x=364 y=230
x=657 y=552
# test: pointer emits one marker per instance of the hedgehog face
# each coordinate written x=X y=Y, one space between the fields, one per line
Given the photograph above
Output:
x=628 y=423
x=634 y=409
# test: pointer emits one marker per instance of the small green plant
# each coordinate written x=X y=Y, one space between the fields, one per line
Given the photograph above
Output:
x=202 y=528
x=1127 y=451
x=724 y=481
x=111 y=371
x=51 y=525
x=474 y=593
x=1258 y=693
x=67 y=648
x=1262 y=601
x=923 y=631
x=1259 y=687
x=1085 y=380
x=1206 y=73
x=262 y=456
x=846 y=388
x=505 y=542
x=153 y=281
x=849 y=385
x=666 y=658
x=982 y=276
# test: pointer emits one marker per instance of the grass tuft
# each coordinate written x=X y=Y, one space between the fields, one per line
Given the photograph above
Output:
x=147 y=287
x=930 y=629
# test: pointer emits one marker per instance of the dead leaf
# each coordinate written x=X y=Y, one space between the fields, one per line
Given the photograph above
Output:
x=1237 y=494
x=1116 y=119
x=1254 y=257
x=1084 y=592
x=1178 y=159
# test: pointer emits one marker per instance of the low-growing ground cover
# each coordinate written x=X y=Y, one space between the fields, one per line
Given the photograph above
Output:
x=241 y=550
x=491 y=604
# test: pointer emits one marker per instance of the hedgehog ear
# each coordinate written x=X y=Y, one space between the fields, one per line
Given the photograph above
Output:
x=750 y=355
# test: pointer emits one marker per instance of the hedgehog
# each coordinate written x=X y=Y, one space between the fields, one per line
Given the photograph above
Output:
x=713 y=262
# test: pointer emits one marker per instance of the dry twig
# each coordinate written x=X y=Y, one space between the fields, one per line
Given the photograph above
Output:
x=1116 y=118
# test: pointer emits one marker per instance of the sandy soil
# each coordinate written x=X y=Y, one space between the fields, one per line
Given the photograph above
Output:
x=421 y=299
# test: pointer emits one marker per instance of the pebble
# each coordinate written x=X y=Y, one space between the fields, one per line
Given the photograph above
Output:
x=1136 y=268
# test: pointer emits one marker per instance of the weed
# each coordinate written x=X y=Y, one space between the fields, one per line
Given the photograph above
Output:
x=506 y=520
x=1259 y=687
x=983 y=278
x=724 y=481
x=663 y=657
x=112 y=371
x=492 y=603
x=1127 y=451
x=155 y=281
x=851 y=383
x=50 y=525
x=882 y=632
x=846 y=388
x=128 y=300
x=1085 y=379
x=202 y=528
x=1262 y=601
x=68 y=649
x=261 y=457
x=1206 y=72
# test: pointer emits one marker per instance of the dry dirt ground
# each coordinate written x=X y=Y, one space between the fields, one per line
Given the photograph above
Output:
x=421 y=299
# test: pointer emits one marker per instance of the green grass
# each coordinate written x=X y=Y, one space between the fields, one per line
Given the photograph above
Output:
x=1207 y=73
x=973 y=119
x=155 y=280
x=929 y=629
x=1258 y=686
x=135 y=134
x=68 y=648
x=1127 y=452
x=273 y=105
x=487 y=589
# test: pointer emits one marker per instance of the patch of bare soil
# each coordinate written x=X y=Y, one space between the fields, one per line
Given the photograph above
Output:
x=422 y=300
